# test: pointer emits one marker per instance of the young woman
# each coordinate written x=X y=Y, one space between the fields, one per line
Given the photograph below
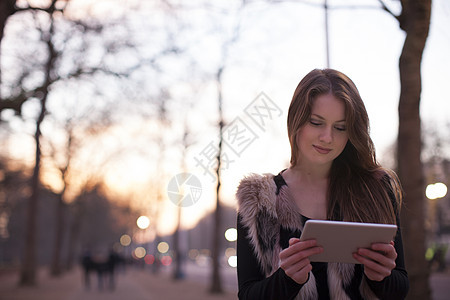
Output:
x=333 y=175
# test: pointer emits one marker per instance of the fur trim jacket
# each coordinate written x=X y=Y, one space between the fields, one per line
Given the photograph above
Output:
x=265 y=209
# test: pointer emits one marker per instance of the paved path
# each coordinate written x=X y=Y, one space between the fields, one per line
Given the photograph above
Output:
x=137 y=284
x=133 y=284
x=440 y=286
x=127 y=287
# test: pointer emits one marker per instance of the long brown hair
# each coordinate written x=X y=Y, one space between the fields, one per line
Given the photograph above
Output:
x=359 y=189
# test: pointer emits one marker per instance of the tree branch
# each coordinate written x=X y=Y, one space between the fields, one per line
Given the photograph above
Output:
x=385 y=8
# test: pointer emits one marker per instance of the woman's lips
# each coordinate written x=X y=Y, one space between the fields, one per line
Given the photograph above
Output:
x=322 y=150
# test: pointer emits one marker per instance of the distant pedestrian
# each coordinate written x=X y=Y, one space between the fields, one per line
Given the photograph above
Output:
x=113 y=260
x=86 y=263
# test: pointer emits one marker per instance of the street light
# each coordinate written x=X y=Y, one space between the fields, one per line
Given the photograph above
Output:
x=143 y=222
x=436 y=191
x=231 y=234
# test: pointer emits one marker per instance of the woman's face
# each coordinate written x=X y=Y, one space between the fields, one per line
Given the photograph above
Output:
x=324 y=136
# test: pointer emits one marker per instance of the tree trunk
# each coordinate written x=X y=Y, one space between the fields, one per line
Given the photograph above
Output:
x=179 y=249
x=414 y=20
x=216 y=282
x=178 y=254
x=77 y=213
x=28 y=271
x=56 y=269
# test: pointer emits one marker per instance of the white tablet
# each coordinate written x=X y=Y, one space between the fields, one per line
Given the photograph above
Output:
x=341 y=239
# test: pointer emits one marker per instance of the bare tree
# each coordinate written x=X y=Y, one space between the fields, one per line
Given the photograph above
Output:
x=56 y=268
x=415 y=21
x=163 y=125
x=62 y=157
x=28 y=270
x=41 y=92
x=9 y=8
x=179 y=254
x=216 y=282
x=54 y=48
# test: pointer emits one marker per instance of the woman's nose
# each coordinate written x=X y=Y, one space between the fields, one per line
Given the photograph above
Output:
x=326 y=135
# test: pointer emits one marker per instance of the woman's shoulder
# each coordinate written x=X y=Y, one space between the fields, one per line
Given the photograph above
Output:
x=262 y=200
x=255 y=178
x=256 y=190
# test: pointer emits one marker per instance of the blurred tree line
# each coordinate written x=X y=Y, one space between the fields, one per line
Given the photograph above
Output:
x=93 y=220
x=66 y=47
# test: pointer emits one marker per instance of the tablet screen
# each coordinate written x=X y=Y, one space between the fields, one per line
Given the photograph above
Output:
x=341 y=239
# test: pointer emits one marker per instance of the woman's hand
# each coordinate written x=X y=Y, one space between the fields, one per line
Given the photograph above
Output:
x=378 y=261
x=294 y=259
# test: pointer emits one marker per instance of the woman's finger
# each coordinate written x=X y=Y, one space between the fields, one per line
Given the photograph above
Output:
x=297 y=246
x=287 y=261
x=379 y=258
x=379 y=261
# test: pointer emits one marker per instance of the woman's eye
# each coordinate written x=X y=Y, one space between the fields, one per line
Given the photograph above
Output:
x=315 y=123
x=341 y=128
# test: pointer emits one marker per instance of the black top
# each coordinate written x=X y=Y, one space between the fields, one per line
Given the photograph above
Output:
x=254 y=285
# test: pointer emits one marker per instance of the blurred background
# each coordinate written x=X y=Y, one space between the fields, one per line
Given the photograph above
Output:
x=127 y=125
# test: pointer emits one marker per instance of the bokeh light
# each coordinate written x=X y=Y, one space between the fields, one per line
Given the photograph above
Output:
x=163 y=247
x=143 y=222
x=149 y=259
x=436 y=190
x=231 y=234
x=205 y=252
x=232 y=261
x=193 y=253
x=139 y=252
x=166 y=260
x=125 y=240
x=230 y=252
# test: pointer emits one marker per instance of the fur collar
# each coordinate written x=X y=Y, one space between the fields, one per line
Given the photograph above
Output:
x=264 y=210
